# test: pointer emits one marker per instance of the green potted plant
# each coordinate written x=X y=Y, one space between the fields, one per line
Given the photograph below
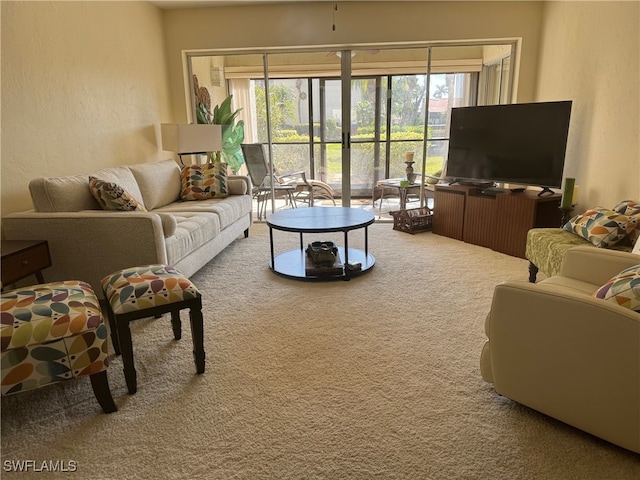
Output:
x=232 y=130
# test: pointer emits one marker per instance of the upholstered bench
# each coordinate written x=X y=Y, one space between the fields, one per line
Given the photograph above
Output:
x=614 y=229
x=52 y=333
x=150 y=291
x=546 y=248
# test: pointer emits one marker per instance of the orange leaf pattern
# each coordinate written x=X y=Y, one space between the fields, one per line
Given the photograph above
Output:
x=51 y=333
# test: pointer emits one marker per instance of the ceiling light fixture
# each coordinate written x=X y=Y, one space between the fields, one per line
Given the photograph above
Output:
x=334 y=9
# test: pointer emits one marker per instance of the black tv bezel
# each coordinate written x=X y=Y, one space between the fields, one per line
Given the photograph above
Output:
x=466 y=180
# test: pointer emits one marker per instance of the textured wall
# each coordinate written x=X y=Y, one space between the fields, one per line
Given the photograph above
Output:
x=589 y=54
x=84 y=86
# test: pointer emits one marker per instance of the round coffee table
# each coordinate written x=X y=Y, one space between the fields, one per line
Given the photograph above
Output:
x=296 y=264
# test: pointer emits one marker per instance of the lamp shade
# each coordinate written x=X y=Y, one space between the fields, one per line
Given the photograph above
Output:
x=192 y=138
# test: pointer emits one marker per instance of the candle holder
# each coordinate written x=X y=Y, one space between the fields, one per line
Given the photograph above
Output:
x=408 y=157
x=566 y=215
x=411 y=176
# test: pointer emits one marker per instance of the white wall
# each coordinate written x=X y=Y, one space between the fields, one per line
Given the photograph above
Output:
x=84 y=86
x=589 y=54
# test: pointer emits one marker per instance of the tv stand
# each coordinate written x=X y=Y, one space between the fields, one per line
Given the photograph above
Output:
x=545 y=190
x=499 y=221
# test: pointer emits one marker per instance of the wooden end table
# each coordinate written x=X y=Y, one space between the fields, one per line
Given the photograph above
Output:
x=21 y=258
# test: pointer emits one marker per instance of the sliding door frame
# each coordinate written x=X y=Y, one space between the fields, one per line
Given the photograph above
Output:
x=346 y=75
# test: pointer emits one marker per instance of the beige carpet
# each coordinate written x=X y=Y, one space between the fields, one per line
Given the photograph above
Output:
x=376 y=378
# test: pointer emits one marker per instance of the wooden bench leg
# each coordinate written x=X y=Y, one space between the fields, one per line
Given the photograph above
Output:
x=533 y=272
x=100 y=385
x=176 y=324
x=112 y=326
x=126 y=348
x=197 y=333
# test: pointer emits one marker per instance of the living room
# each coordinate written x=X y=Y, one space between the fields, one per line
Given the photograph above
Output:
x=86 y=85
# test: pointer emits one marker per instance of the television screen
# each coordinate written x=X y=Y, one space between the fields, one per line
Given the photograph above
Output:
x=522 y=143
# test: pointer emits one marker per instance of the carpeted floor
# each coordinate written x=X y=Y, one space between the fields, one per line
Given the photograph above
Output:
x=376 y=378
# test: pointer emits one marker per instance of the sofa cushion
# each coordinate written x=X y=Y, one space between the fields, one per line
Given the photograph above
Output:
x=112 y=196
x=193 y=231
x=567 y=284
x=62 y=194
x=203 y=181
x=121 y=176
x=159 y=182
x=228 y=209
x=601 y=226
x=623 y=289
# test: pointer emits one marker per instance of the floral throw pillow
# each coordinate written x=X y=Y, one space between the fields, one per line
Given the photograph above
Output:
x=631 y=209
x=623 y=289
x=203 y=181
x=601 y=226
x=112 y=196
x=627 y=207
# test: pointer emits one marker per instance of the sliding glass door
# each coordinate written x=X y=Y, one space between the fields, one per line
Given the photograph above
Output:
x=347 y=117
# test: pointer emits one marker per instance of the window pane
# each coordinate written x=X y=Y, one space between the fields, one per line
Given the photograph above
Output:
x=289 y=158
x=261 y=110
x=331 y=98
x=447 y=91
x=407 y=122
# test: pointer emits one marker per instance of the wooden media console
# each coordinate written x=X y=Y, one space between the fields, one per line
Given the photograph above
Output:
x=498 y=221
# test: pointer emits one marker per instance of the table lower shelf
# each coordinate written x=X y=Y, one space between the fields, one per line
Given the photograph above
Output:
x=292 y=264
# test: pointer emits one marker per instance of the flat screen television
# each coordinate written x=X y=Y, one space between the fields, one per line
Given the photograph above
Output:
x=520 y=143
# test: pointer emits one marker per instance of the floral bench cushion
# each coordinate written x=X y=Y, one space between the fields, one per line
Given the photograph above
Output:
x=51 y=333
x=139 y=288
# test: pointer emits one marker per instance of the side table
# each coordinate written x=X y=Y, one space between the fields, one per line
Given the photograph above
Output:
x=21 y=258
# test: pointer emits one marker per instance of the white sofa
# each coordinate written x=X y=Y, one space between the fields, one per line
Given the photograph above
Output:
x=86 y=243
x=556 y=348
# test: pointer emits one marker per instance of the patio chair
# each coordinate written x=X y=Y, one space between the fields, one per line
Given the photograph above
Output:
x=304 y=189
x=262 y=180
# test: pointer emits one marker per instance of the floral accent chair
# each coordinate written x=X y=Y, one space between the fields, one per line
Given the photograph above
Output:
x=52 y=333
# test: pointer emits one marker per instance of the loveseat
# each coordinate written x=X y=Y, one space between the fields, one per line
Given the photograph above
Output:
x=87 y=242
x=569 y=346
x=615 y=229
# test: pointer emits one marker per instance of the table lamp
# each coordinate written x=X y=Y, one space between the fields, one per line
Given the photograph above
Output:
x=191 y=139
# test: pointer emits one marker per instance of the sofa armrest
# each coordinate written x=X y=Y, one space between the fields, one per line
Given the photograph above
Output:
x=239 y=184
x=596 y=265
x=569 y=355
x=91 y=244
